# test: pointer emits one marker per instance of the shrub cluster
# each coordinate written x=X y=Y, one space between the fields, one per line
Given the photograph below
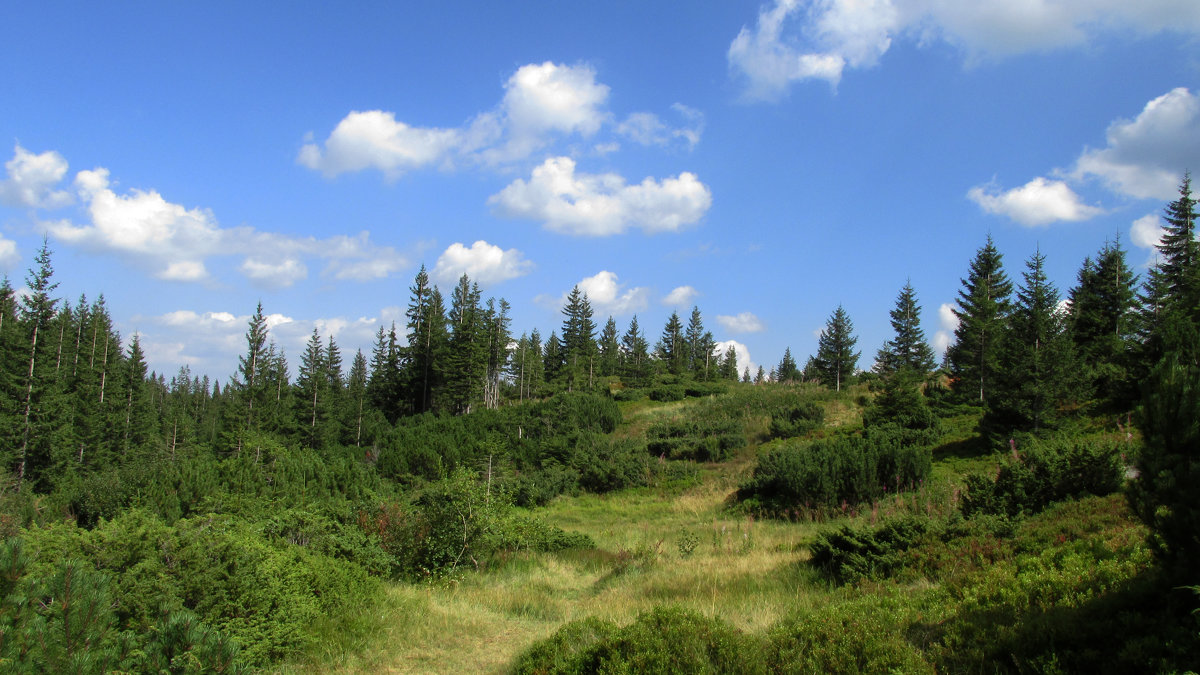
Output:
x=265 y=595
x=825 y=473
x=457 y=523
x=796 y=420
x=664 y=640
x=698 y=439
x=1045 y=472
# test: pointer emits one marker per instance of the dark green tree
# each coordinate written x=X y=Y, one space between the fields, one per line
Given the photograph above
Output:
x=983 y=305
x=729 y=365
x=671 y=350
x=41 y=402
x=466 y=353
x=250 y=386
x=787 y=370
x=635 y=356
x=578 y=340
x=836 y=360
x=1037 y=359
x=312 y=386
x=1102 y=312
x=908 y=349
x=610 y=349
x=1164 y=495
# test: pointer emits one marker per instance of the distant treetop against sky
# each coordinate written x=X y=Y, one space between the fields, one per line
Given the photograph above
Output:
x=766 y=162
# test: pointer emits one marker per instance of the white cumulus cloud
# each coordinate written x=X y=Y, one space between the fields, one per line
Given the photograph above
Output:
x=176 y=243
x=1146 y=232
x=680 y=295
x=1146 y=156
x=744 y=360
x=1038 y=202
x=483 y=262
x=9 y=258
x=602 y=204
x=796 y=40
x=648 y=129
x=373 y=139
x=33 y=180
x=744 y=322
x=947 y=324
x=607 y=295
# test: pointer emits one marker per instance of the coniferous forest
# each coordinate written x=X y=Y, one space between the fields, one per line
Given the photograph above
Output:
x=471 y=496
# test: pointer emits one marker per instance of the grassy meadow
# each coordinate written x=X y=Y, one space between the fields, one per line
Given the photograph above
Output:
x=687 y=544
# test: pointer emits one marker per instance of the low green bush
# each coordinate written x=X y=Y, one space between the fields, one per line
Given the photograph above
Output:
x=822 y=474
x=1045 y=472
x=664 y=640
x=796 y=420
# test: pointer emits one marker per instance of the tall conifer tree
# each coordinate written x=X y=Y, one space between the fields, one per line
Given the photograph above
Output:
x=836 y=360
x=983 y=305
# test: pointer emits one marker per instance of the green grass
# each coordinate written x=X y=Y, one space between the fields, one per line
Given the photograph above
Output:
x=686 y=547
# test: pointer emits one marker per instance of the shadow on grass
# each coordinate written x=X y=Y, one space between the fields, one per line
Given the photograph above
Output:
x=1141 y=625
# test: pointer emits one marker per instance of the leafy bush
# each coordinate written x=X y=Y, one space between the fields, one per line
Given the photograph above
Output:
x=454 y=523
x=826 y=473
x=265 y=596
x=1165 y=496
x=701 y=440
x=1045 y=472
x=850 y=553
x=796 y=420
x=855 y=637
x=665 y=394
x=663 y=640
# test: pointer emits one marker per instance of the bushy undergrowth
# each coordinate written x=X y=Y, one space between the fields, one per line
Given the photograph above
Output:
x=264 y=595
x=822 y=474
x=1045 y=472
x=457 y=523
x=796 y=419
x=701 y=440
x=664 y=640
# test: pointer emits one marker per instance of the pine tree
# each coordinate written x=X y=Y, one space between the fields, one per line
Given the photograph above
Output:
x=1037 y=359
x=836 y=359
x=693 y=340
x=671 y=350
x=610 y=349
x=729 y=365
x=466 y=354
x=356 y=399
x=312 y=385
x=384 y=387
x=787 y=371
x=983 y=306
x=579 y=339
x=498 y=338
x=1102 y=309
x=250 y=385
x=635 y=356
x=139 y=423
x=37 y=380
x=907 y=350
x=1179 y=250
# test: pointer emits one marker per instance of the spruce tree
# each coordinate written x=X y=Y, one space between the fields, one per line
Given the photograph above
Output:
x=983 y=306
x=787 y=370
x=1037 y=360
x=466 y=353
x=1102 y=309
x=39 y=393
x=671 y=350
x=578 y=339
x=250 y=385
x=610 y=348
x=312 y=385
x=635 y=356
x=908 y=350
x=836 y=359
x=693 y=340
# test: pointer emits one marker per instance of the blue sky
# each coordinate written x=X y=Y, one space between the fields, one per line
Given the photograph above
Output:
x=764 y=161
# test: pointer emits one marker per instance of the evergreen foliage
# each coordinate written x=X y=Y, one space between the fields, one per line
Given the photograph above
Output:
x=1102 y=308
x=836 y=361
x=908 y=350
x=1037 y=359
x=983 y=306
